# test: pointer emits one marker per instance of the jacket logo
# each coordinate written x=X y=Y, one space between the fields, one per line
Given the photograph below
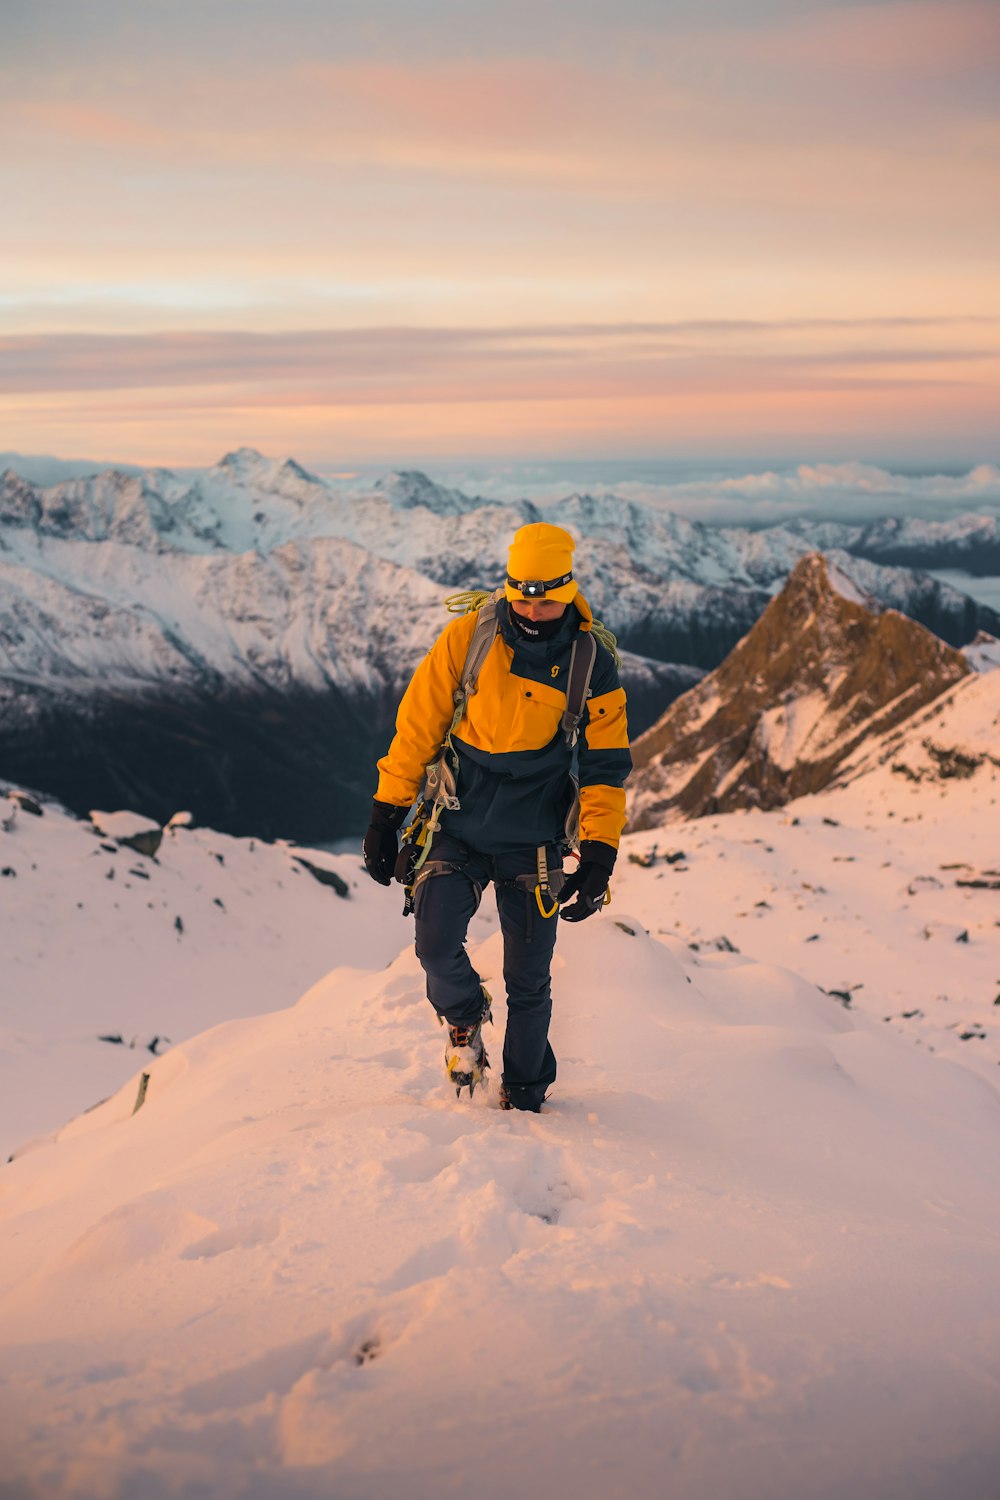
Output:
x=555 y=671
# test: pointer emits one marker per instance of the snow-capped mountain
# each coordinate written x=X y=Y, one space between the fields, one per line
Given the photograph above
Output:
x=970 y=542
x=237 y=637
x=658 y=578
x=822 y=670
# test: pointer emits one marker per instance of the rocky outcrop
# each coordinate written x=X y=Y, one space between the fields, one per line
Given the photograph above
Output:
x=821 y=670
x=129 y=831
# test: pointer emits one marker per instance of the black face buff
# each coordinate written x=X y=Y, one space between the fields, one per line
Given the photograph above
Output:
x=536 y=630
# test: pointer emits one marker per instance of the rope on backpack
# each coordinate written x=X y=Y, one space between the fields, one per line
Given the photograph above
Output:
x=607 y=639
x=468 y=601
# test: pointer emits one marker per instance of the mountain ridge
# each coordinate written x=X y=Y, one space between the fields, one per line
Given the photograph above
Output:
x=822 y=670
x=254 y=594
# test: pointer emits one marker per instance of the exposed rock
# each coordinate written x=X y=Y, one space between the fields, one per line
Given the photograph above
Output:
x=952 y=763
x=821 y=671
x=130 y=831
x=323 y=874
x=145 y=843
x=26 y=803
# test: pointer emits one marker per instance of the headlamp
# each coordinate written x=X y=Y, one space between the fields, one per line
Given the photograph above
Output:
x=535 y=588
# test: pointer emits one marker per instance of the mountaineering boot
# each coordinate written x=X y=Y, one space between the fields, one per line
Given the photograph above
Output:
x=506 y=1102
x=465 y=1057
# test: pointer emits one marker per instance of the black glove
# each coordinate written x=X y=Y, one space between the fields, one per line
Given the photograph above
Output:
x=381 y=845
x=589 y=881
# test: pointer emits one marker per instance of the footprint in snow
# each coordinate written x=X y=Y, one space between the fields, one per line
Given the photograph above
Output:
x=237 y=1237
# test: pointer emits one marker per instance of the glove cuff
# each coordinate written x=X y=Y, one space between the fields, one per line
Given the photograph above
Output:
x=386 y=815
x=592 y=851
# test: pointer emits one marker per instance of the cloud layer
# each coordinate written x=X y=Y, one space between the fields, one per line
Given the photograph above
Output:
x=230 y=195
x=844 y=386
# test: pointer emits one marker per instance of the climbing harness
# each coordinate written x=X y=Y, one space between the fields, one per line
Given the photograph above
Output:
x=541 y=888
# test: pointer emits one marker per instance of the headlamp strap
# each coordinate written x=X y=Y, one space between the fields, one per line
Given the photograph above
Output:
x=536 y=588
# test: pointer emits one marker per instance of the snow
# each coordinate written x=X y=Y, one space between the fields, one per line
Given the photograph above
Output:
x=786 y=730
x=863 y=888
x=702 y=1262
x=983 y=654
x=845 y=586
x=92 y=948
x=748 y=1250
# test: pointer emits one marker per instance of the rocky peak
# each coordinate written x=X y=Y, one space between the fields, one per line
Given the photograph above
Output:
x=407 y=488
x=244 y=461
x=822 y=669
x=20 y=501
x=249 y=469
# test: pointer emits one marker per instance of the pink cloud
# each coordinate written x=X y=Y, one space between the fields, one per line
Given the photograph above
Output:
x=516 y=100
x=86 y=124
x=908 y=36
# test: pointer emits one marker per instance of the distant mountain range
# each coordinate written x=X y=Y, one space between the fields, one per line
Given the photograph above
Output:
x=236 y=639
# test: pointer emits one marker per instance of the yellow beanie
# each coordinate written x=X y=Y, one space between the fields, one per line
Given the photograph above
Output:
x=541 y=553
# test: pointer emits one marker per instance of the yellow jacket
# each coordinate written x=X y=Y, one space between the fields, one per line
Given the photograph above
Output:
x=514 y=765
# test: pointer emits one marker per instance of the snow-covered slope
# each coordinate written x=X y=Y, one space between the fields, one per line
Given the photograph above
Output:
x=983 y=653
x=884 y=889
x=751 y=1224
x=100 y=941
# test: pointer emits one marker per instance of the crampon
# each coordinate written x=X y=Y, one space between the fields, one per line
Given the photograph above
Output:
x=465 y=1056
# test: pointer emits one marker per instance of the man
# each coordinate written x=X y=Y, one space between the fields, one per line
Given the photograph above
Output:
x=513 y=790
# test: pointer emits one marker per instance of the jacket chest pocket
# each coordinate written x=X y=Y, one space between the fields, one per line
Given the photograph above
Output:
x=530 y=715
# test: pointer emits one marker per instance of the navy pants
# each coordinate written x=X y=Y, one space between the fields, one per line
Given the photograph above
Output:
x=444 y=906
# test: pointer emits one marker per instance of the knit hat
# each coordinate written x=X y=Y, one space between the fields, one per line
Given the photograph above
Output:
x=541 y=555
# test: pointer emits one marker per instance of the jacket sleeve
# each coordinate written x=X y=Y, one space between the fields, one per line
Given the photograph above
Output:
x=605 y=759
x=424 y=714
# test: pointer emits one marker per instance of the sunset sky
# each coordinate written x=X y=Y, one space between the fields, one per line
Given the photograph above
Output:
x=393 y=231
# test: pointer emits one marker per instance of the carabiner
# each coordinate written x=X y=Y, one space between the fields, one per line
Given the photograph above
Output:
x=541 y=908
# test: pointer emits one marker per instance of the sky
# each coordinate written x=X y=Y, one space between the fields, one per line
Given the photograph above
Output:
x=389 y=232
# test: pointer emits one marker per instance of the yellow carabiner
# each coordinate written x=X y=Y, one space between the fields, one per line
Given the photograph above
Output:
x=541 y=908
x=607 y=896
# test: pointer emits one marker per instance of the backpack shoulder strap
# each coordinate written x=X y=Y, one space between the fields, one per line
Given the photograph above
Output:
x=440 y=785
x=581 y=669
x=485 y=633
